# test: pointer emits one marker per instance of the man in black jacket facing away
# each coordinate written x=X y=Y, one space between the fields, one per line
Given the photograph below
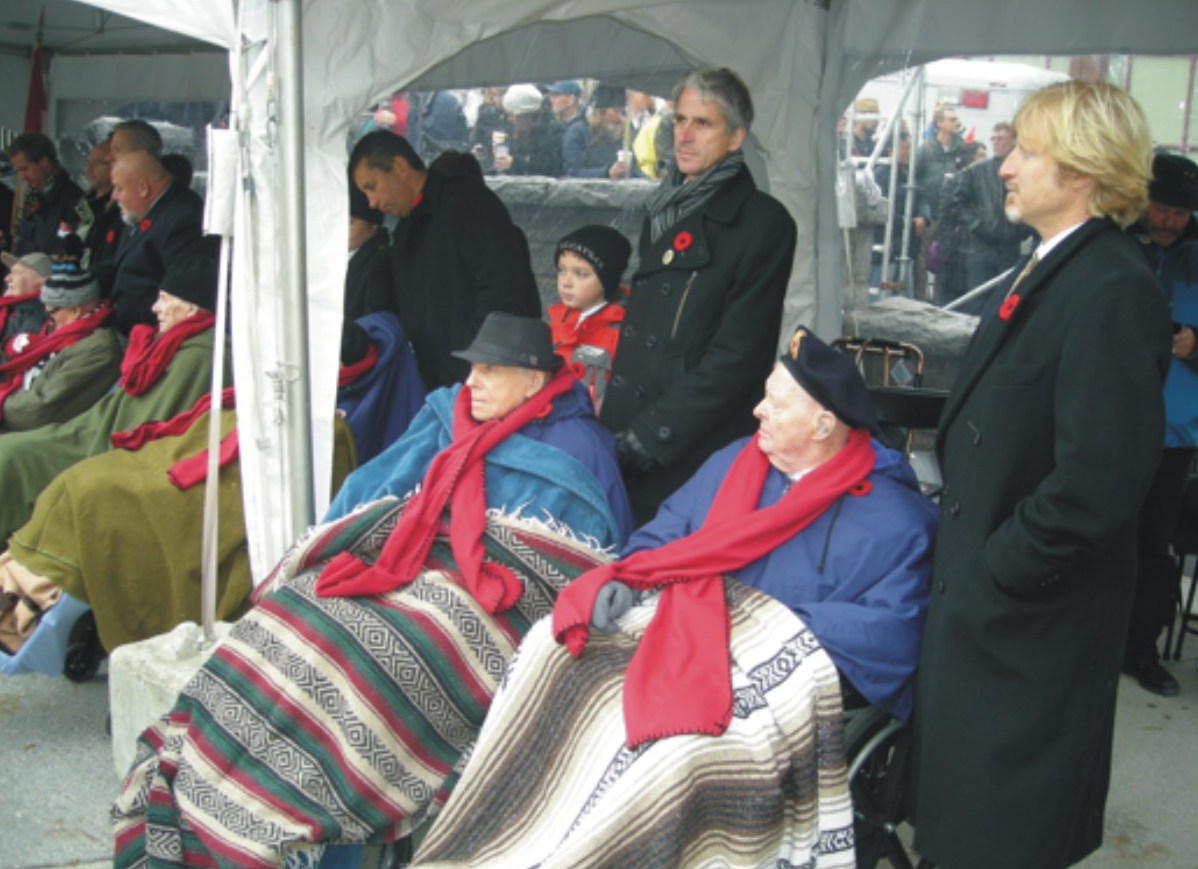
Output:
x=456 y=255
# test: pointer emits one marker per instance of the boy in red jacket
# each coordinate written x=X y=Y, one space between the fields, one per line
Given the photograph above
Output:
x=585 y=325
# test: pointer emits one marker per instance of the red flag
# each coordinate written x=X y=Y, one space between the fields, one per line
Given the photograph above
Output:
x=35 y=100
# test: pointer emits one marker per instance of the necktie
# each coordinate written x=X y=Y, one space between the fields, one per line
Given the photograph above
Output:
x=1028 y=266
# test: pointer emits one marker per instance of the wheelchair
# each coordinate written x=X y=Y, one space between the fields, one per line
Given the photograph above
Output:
x=878 y=748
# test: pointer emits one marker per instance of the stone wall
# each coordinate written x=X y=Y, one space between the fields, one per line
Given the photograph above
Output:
x=548 y=208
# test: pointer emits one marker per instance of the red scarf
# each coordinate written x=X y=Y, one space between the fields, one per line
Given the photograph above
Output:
x=138 y=437
x=193 y=470
x=41 y=346
x=679 y=678
x=350 y=373
x=149 y=352
x=454 y=479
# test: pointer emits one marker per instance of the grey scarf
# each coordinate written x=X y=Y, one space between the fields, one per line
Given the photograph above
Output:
x=674 y=199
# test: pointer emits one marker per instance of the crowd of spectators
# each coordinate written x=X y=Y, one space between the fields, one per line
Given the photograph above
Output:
x=561 y=129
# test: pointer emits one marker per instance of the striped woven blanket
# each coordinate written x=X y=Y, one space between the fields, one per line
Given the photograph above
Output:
x=551 y=784
x=333 y=719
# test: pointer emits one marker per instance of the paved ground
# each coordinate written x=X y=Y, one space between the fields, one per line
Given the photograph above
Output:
x=57 y=779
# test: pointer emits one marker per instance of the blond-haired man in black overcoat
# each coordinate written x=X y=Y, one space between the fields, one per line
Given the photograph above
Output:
x=1048 y=444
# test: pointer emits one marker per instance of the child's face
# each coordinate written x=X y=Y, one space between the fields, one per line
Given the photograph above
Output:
x=577 y=284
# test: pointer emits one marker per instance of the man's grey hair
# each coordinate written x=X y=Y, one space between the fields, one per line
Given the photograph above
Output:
x=727 y=90
x=142 y=136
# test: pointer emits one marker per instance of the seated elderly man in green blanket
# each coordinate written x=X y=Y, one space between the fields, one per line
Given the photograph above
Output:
x=338 y=708
x=164 y=370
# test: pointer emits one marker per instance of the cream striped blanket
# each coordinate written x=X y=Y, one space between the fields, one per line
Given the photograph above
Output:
x=551 y=784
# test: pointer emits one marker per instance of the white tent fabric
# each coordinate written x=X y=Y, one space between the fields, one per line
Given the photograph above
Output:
x=803 y=60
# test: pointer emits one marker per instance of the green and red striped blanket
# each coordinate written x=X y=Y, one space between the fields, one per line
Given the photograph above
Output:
x=333 y=719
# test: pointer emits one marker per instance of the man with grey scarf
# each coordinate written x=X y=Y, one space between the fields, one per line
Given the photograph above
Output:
x=705 y=309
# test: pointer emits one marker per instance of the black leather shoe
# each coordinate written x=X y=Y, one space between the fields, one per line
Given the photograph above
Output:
x=1152 y=677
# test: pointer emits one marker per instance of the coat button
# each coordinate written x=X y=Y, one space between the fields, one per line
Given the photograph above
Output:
x=955 y=510
x=629 y=332
x=665 y=289
x=639 y=392
x=651 y=342
x=618 y=380
x=640 y=282
x=663 y=433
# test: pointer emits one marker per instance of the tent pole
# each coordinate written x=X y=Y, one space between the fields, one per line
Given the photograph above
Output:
x=297 y=438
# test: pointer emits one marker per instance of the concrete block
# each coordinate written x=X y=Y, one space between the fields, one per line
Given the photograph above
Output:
x=145 y=678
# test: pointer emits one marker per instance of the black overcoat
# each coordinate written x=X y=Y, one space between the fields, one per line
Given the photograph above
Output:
x=170 y=231
x=1048 y=444
x=700 y=334
x=457 y=257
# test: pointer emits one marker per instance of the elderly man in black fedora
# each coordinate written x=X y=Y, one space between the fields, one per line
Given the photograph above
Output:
x=404 y=605
x=1168 y=236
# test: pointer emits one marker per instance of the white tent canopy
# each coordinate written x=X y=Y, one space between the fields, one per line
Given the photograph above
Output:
x=804 y=60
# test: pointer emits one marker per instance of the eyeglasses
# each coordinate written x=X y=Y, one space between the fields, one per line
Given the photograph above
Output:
x=51 y=310
x=99 y=162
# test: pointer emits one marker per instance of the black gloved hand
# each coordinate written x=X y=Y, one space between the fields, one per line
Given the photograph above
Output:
x=631 y=454
x=614 y=599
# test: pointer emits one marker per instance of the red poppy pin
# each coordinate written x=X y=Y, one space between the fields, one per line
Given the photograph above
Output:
x=109 y=237
x=682 y=241
x=1008 y=307
x=862 y=488
x=144 y=226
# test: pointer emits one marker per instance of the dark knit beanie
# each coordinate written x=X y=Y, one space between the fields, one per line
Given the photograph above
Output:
x=606 y=249
x=193 y=280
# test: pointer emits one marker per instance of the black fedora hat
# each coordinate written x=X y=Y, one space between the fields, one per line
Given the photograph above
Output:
x=519 y=342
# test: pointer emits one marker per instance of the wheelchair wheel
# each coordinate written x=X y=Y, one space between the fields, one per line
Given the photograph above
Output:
x=878 y=749
x=84 y=653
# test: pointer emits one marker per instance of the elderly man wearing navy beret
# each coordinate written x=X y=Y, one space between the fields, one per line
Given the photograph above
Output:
x=848 y=551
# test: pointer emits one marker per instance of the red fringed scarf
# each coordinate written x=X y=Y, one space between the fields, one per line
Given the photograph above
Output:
x=149 y=353
x=679 y=678
x=454 y=479
x=41 y=346
x=350 y=373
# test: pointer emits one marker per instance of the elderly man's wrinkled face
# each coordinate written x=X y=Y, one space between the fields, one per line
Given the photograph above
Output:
x=789 y=419
x=1165 y=223
x=171 y=311
x=22 y=280
x=497 y=390
x=701 y=134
